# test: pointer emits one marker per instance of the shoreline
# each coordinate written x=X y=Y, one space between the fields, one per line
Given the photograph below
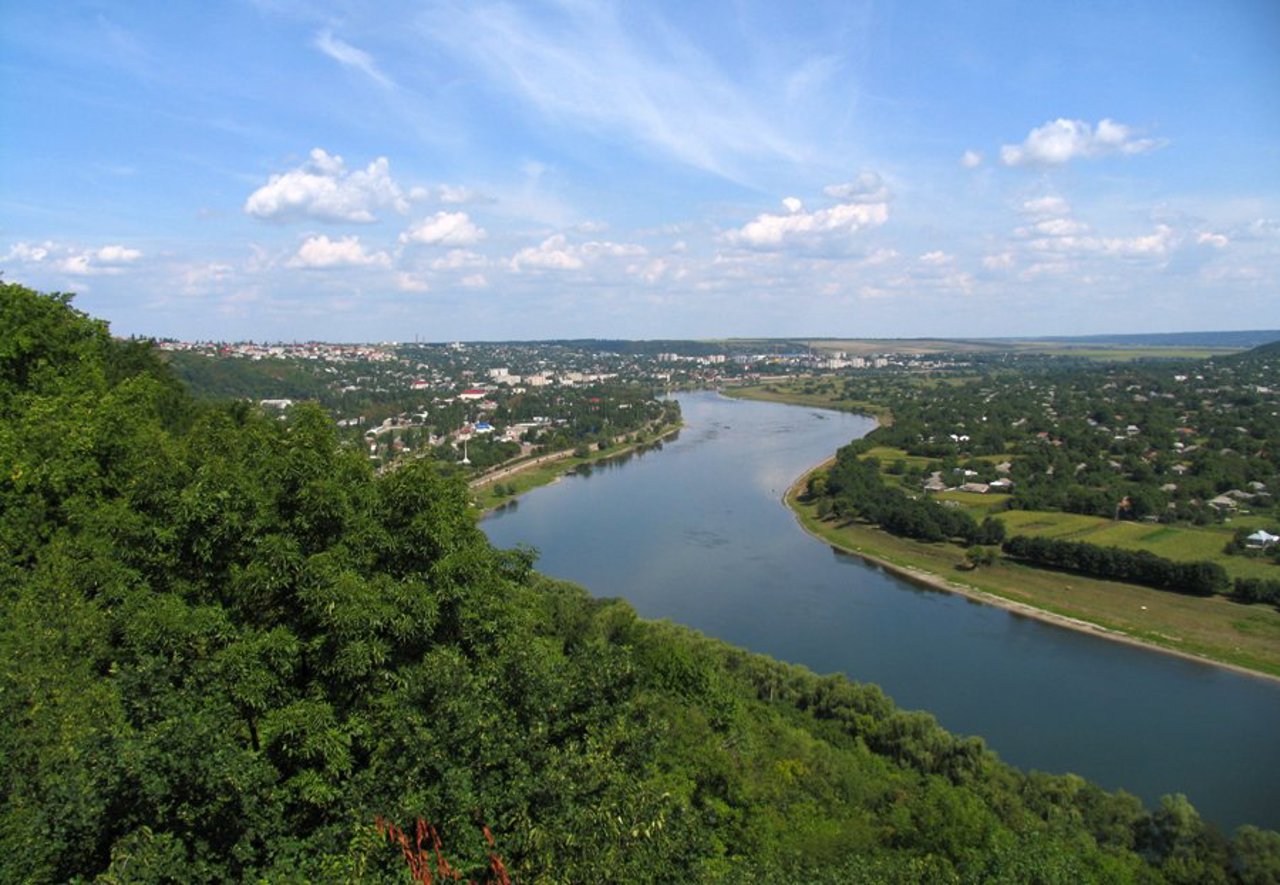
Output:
x=934 y=581
x=553 y=458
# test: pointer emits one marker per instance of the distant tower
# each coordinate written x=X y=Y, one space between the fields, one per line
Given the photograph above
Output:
x=465 y=460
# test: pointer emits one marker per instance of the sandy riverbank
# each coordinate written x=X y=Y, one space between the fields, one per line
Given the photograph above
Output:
x=938 y=582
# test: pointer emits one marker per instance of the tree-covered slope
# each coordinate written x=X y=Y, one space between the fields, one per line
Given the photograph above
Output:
x=227 y=650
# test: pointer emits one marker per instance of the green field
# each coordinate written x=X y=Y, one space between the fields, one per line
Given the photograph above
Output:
x=1215 y=628
x=788 y=392
x=1126 y=354
x=1180 y=543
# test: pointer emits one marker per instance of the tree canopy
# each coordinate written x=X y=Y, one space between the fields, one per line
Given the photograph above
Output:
x=232 y=652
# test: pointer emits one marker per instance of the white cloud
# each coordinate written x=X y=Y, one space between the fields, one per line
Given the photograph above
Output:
x=1060 y=227
x=1208 y=238
x=475 y=281
x=117 y=255
x=792 y=204
x=74 y=260
x=591 y=66
x=26 y=252
x=322 y=252
x=351 y=57
x=323 y=189
x=1061 y=141
x=457 y=259
x=444 y=229
x=971 y=160
x=451 y=193
x=1049 y=206
x=937 y=258
x=557 y=253
x=868 y=187
x=1157 y=244
x=553 y=253
x=823 y=228
x=407 y=282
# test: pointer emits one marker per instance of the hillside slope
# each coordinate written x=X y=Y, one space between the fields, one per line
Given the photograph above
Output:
x=229 y=650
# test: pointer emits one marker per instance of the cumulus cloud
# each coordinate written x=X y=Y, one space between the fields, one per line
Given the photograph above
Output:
x=557 y=253
x=868 y=187
x=444 y=229
x=820 y=229
x=323 y=189
x=28 y=252
x=322 y=252
x=1060 y=141
x=117 y=255
x=971 y=159
x=1208 y=238
x=75 y=260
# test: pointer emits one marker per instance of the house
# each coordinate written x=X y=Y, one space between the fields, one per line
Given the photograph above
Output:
x=1261 y=539
x=1223 y=502
x=977 y=488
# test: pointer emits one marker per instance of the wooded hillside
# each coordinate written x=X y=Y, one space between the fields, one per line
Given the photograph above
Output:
x=229 y=649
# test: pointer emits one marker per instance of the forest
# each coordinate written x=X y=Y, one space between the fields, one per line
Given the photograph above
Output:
x=231 y=651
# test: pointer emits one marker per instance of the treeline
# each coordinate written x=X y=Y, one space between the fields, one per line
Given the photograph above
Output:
x=854 y=489
x=1254 y=590
x=1115 y=563
x=234 y=653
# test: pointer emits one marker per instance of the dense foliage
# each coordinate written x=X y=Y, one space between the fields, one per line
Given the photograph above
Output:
x=1082 y=437
x=854 y=488
x=1132 y=566
x=231 y=652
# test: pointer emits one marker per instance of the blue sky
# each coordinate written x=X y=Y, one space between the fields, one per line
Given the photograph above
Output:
x=398 y=170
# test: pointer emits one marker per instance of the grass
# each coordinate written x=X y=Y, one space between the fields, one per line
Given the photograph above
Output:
x=1126 y=354
x=1215 y=628
x=1180 y=543
x=783 y=392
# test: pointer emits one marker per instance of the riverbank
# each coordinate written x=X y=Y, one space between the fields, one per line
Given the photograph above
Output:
x=517 y=479
x=1213 y=631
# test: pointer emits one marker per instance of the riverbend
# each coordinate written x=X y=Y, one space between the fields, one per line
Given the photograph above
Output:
x=696 y=533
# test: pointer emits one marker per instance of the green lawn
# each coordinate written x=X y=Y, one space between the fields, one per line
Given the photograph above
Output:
x=1215 y=628
x=1180 y=543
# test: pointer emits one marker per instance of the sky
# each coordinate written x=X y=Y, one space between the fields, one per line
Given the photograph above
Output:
x=435 y=171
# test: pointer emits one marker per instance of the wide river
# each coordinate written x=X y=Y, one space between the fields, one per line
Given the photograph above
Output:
x=696 y=532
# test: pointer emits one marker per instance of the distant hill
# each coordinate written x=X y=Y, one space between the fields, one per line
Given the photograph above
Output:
x=1241 y=340
x=1271 y=349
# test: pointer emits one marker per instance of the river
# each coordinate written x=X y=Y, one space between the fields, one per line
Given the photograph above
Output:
x=696 y=532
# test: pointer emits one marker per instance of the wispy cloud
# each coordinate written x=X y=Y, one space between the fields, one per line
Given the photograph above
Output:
x=647 y=85
x=349 y=56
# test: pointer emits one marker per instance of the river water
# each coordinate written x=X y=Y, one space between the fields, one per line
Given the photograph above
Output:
x=695 y=532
